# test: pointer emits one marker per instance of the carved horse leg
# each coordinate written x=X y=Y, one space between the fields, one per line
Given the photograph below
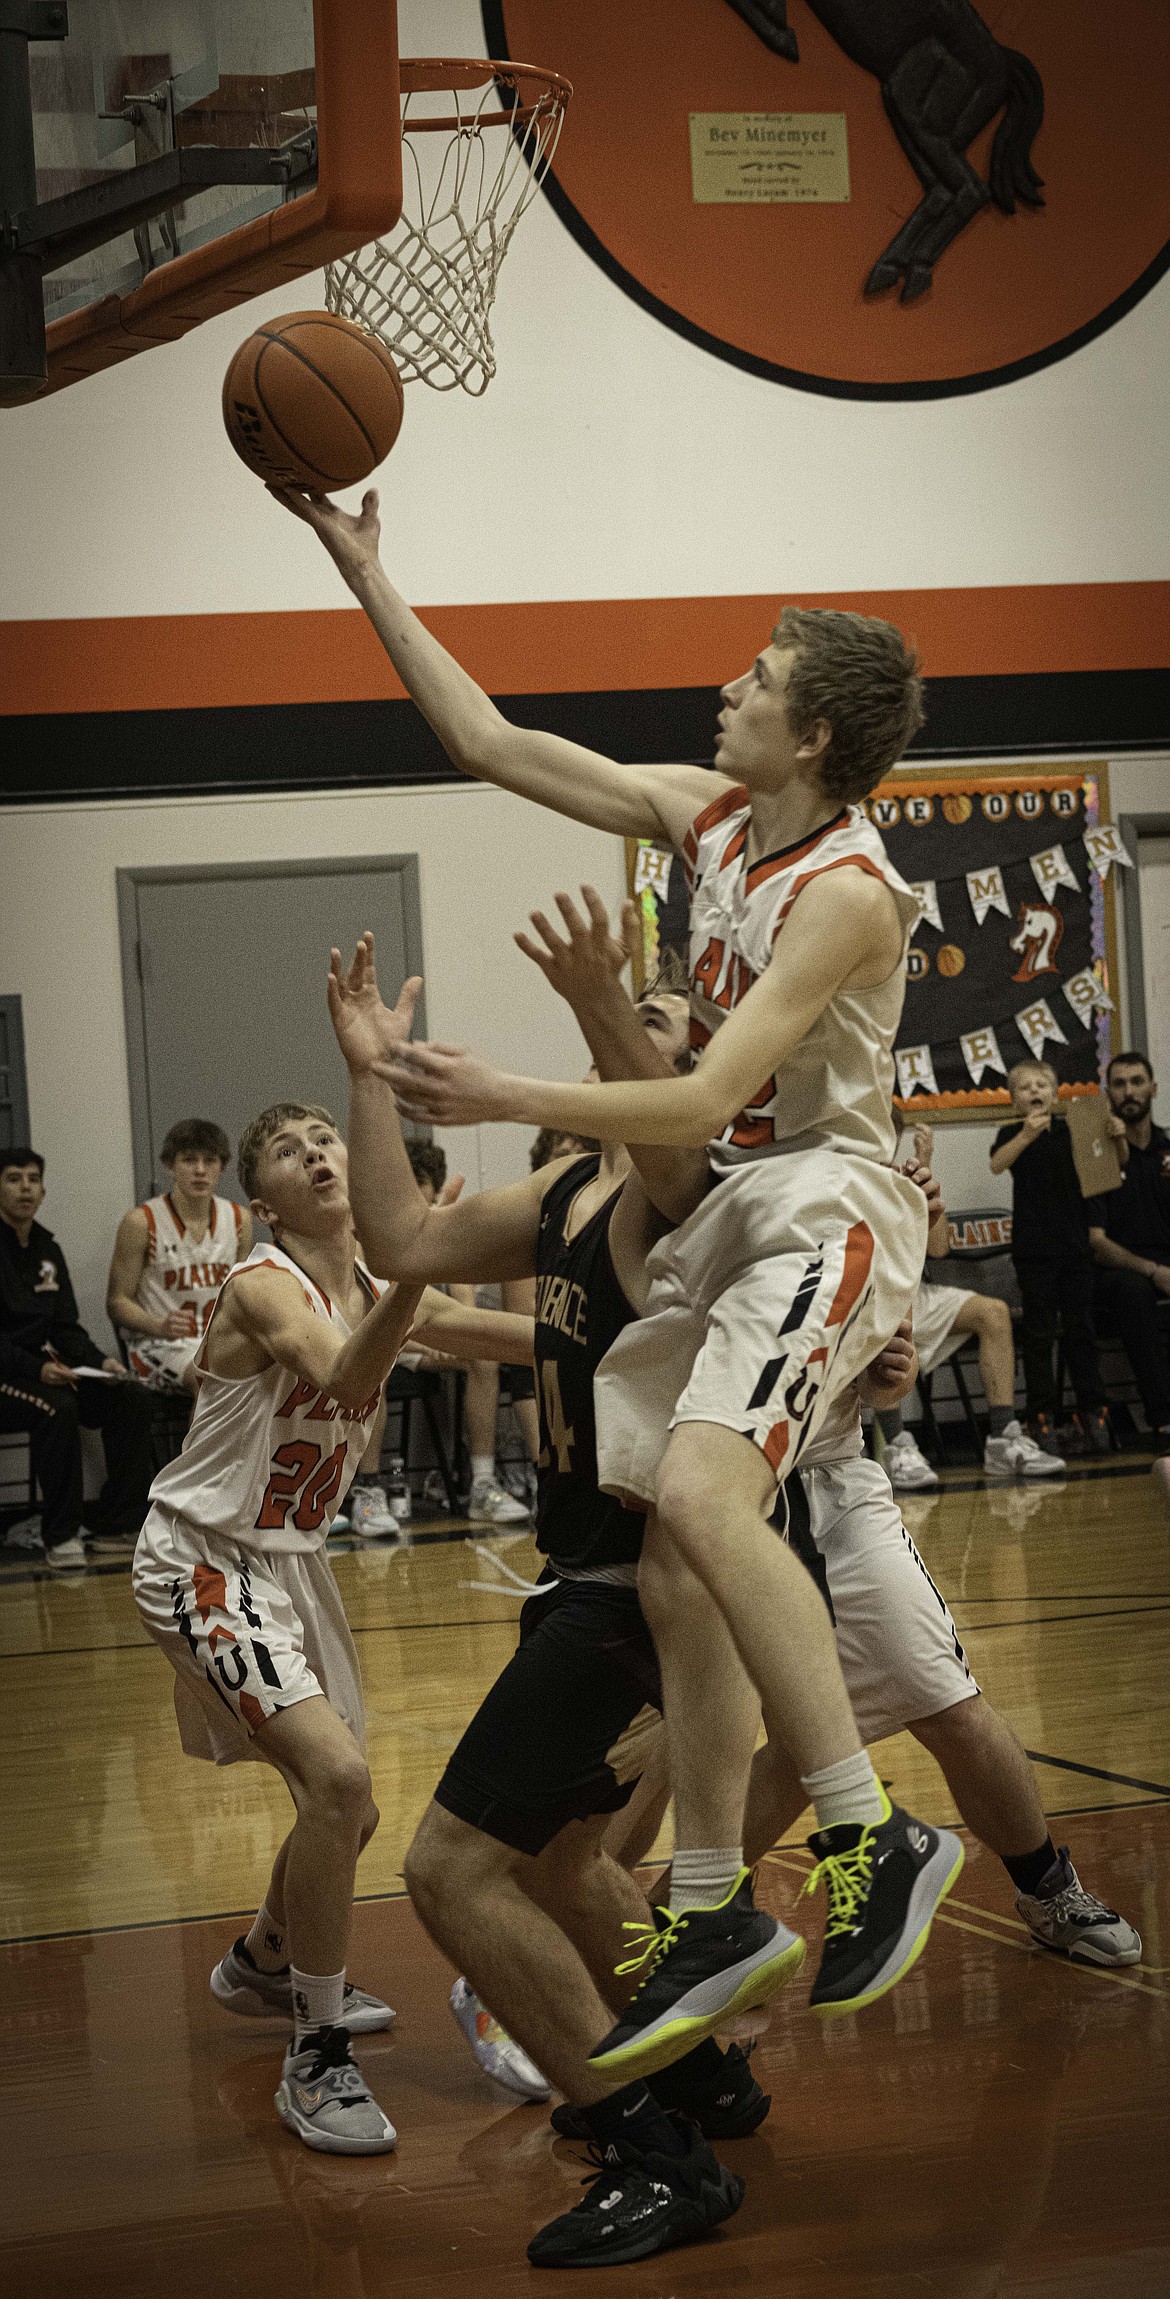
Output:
x=769 y=18
x=935 y=108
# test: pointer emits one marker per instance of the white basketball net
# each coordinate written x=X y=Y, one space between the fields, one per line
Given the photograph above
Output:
x=427 y=290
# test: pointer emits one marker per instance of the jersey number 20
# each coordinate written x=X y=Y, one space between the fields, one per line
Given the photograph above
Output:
x=299 y=1474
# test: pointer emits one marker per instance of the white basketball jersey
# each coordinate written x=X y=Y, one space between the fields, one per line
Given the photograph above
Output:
x=834 y=1088
x=181 y=1275
x=268 y=1458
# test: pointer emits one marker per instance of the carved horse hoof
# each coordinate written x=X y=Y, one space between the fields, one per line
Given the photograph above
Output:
x=786 y=44
x=918 y=278
x=884 y=275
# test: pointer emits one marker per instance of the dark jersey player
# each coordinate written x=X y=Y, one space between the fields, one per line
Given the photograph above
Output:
x=508 y=1870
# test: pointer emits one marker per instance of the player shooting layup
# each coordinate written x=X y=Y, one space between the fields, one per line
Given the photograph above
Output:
x=781 y=1286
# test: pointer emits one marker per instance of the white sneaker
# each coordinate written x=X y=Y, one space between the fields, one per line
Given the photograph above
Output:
x=324 y=2098
x=498 y=2056
x=68 y=1556
x=1062 y=1916
x=371 y=1517
x=908 y=1470
x=489 y=1504
x=1015 y=1454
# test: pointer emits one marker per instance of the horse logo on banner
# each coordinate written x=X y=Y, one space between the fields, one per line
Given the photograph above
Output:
x=943 y=78
x=1036 y=940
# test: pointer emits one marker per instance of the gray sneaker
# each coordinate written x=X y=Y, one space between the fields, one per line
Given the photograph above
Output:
x=1061 y=1915
x=324 y=2099
x=240 y=1986
x=1015 y=1454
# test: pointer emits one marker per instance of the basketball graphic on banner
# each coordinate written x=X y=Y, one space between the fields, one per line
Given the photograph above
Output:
x=951 y=960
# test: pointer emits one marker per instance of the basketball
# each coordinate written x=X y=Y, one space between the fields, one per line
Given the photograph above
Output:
x=950 y=960
x=957 y=807
x=310 y=400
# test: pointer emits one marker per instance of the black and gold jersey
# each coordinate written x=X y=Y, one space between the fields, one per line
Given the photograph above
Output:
x=580 y=1310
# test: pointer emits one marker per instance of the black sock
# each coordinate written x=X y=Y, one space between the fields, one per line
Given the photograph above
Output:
x=998 y=1417
x=630 y=2115
x=366 y=1477
x=1027 y=1869
x=890 y=1423
x=692 y=2080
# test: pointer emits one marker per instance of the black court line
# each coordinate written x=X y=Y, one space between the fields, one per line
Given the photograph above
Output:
x=147 y=1643
x=1073 y=1473
x=1095 y=1772
x=1053 y=1619
x=467 y=1532
x=166 y=1923
x=1069 y=1597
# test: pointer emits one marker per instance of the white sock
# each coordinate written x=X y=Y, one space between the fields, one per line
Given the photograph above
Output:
x=483 y=1469
x=318 y=1999
x=705 y=1879
x=266 y=1943
x=848 y=1794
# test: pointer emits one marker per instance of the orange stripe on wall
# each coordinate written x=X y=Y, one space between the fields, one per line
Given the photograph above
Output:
x=183 y=662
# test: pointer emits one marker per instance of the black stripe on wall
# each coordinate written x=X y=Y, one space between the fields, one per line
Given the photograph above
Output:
x=316 y=746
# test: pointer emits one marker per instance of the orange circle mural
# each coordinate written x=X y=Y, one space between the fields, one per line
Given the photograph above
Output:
x=963 y=295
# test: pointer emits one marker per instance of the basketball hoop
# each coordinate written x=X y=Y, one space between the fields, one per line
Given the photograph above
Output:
x=427 y=289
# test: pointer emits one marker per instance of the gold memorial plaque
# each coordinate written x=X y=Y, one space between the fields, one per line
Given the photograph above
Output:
x=766 y=156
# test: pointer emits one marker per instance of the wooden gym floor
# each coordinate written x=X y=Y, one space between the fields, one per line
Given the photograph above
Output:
x=997 y=2126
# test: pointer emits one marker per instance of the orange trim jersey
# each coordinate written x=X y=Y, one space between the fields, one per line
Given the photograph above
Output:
x=182 y=1274
x=834 y=1089
x=268 y=1458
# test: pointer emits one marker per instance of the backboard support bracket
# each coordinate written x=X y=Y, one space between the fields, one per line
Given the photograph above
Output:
x=23 y=367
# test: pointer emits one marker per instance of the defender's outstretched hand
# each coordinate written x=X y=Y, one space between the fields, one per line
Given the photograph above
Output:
x=368 y=1031
x=352 y=543
x=446 y=1086
x=592 y=958
x=929 y=1185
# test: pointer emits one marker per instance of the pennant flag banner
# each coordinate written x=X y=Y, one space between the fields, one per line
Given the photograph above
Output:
x=1103 y=846
x=1036 y=1025
x=980 y=1050
x=1052 y=868
x=927 y=893
x=652 y=868
x=1008 y=956
x=987 y=892
x=1087 y=996
x=915 y=1071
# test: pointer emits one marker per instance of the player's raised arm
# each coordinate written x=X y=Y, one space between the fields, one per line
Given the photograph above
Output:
x=843 y=931
x=634 y=801
x=584 y=966
x=268 y=1306
x=492 y=1235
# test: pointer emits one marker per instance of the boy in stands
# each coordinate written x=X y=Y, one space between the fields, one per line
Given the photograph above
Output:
x=171 y=1256
x=777 y=1290
x=232 y=1580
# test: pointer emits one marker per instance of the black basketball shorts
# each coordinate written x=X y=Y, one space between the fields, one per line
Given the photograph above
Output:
x=543 y=1749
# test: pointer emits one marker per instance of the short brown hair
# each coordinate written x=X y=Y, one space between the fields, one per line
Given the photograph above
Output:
x=192 y=1135
x=428 y=1163
x=261 y=1130
x=859 y=674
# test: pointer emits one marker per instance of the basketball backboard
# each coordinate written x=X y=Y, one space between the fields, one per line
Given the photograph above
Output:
x=162 y=160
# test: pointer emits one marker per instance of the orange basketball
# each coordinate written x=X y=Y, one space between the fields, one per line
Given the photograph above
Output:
x=311 y=400
x=957 y=807
x=950 y=960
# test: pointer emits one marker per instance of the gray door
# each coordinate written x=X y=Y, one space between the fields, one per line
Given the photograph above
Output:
x=224 y=982
x=13 y=1084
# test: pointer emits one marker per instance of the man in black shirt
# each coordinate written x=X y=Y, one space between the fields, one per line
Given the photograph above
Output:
x=1050 y=1248
x=1129 y=1232
x=44 y=1392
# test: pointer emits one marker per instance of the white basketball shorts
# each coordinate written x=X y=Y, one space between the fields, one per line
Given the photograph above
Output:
x=774 y=1294
x=935 y=1310
x=900 y=1652
x=247 y=1635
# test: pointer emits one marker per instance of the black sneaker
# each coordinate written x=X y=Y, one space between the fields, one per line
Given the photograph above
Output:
x=706 y=1964
x=638 y=2204
x=884 y=1884
x=1043 y=1429
x=733 y=2110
